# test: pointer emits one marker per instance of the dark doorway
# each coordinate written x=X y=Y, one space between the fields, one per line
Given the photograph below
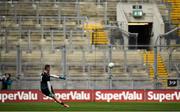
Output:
x=144 y=36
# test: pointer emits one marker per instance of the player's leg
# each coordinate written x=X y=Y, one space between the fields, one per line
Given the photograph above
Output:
x=59 y=101
x=56 y=99
x=52 y=95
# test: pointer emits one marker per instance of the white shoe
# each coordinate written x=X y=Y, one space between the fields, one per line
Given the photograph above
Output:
x=66 y=105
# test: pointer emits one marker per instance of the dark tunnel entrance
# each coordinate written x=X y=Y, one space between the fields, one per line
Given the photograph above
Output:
x=144 y=35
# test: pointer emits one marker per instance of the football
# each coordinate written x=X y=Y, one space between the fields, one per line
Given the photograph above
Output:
x=111 y=65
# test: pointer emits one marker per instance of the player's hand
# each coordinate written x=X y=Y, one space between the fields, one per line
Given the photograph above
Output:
x=63 y=78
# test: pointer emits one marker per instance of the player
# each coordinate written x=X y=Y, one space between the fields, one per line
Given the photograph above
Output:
x=46 y=87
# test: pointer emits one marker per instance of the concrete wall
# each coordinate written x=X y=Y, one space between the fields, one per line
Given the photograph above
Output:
x=152 y=15
x=158 y=25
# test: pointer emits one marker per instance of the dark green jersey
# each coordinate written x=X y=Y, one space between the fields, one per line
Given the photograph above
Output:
x=45 y=77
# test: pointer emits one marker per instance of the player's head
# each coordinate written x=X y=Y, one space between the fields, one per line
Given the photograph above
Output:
x=47 y=68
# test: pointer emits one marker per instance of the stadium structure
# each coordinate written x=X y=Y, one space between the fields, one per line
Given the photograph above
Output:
x=79 y=38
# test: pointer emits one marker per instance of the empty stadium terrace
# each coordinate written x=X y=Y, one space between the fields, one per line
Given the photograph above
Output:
x=79 y=38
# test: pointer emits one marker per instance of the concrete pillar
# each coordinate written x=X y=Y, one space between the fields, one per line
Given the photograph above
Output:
x=110 y=69
x=18 y=62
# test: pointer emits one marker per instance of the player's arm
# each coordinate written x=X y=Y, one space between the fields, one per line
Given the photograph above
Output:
x=55 y=76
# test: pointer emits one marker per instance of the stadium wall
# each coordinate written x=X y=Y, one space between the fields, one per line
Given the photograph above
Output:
x=93 y=96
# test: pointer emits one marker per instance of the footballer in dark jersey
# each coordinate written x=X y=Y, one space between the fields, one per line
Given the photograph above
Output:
x=46 y=87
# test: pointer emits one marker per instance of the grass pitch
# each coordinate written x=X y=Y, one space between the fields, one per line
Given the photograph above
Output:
x=91 y=107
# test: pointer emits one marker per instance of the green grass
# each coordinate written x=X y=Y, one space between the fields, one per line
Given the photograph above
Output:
x=91 y=106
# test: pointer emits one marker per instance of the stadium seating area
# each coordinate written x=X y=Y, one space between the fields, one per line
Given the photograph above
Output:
x=175 y=12
x=43 y=29
x=97 y=34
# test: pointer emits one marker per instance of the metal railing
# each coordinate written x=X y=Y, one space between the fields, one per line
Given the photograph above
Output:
x=90 y=65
